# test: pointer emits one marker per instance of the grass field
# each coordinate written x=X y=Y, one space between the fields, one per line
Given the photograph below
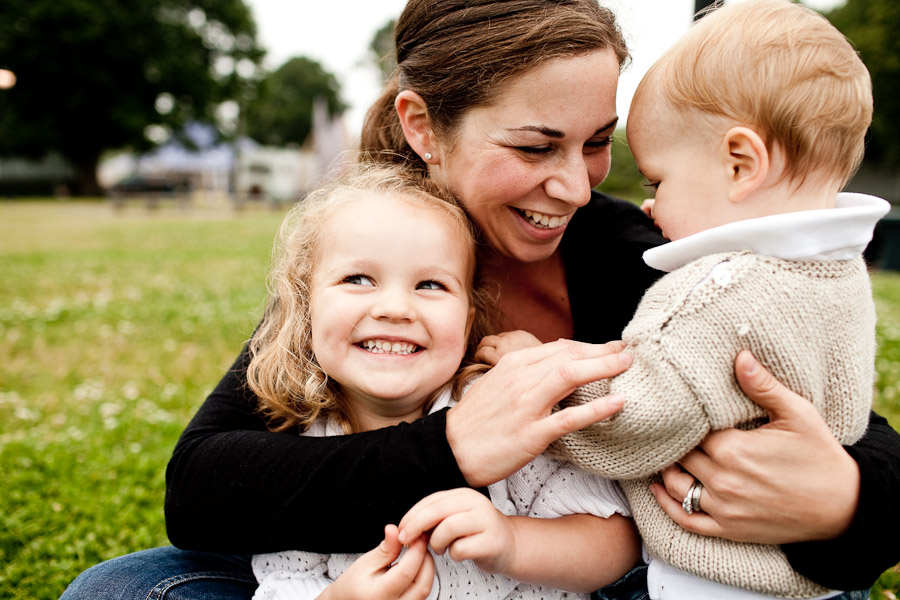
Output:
x=113 y=327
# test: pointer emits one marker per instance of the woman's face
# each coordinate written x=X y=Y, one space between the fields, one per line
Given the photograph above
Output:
x=524 y=164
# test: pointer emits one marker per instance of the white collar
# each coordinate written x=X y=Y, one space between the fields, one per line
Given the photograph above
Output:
x=837 y=233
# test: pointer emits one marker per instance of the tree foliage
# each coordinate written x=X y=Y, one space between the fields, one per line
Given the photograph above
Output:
x=93 y=75
x=282 y=112
x=872 y=26
x=381 y=49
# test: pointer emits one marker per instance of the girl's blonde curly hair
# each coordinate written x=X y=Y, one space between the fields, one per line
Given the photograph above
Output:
x=292 y=388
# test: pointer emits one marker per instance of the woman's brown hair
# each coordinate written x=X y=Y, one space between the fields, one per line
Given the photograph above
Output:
x=457 y=54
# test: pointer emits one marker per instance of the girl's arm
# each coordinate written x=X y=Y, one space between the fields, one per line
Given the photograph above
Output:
x=578 y=553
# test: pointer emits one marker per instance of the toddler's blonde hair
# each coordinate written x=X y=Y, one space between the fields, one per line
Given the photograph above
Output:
x=780 y=69
x=293 y=390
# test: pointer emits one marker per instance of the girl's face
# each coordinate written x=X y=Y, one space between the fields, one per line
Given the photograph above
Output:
x=524 y=164
x=389 y=304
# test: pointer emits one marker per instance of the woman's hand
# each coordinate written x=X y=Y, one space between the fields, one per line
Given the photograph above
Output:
x=506 y=418
x=375 y=576
x=787 y=481
x=465 y=524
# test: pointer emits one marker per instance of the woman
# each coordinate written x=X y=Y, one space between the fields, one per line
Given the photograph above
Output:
x=510 y=104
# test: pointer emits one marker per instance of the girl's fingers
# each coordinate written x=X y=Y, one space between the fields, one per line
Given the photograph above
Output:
x=426 y=514
x=422 y=584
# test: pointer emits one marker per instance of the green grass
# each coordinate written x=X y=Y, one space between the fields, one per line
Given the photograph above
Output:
x=113 y=328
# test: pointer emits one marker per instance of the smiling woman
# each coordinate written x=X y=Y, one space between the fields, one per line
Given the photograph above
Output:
x=235 y=487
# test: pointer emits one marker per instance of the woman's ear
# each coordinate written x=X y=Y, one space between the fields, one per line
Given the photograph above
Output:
x=413 y=114
x=747 y=160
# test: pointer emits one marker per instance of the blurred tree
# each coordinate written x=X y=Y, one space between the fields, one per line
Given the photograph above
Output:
x=382 y=49
x=872 y=26
x=624 y=180
x=282 y=111
x=95 y=75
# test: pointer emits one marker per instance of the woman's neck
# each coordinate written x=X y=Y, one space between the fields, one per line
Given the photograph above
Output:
x=533 y=296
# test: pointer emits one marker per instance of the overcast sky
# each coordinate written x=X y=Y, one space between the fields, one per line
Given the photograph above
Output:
x=337 y=34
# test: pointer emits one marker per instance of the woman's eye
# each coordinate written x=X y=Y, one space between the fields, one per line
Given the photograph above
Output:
x=430 y=285
x=535 y=150
x=357 y=280
x=597 y=144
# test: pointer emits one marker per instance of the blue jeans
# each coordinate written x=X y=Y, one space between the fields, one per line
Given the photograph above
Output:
x=166 y=573
x=632 y=586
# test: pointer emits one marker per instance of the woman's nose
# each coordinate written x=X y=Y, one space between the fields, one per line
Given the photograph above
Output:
x=570 y=181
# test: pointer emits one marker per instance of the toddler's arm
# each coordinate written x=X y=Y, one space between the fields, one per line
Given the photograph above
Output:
x=579 y=553
x=492 y=348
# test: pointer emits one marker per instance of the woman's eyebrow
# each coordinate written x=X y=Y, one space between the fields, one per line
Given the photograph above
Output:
x=557 y=134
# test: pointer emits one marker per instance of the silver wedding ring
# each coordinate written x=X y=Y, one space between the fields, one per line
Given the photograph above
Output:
x=691 y=502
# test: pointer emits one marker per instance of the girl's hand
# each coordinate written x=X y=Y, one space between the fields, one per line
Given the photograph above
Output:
x=506 y=418
x=492 y=348
x=787 y=481
x=373 y=576
x=464 y=523
x=647 y=207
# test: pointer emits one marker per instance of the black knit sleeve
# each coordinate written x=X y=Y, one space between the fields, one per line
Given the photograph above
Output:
x=856 y=559
x=232 y=486
x=606 y=276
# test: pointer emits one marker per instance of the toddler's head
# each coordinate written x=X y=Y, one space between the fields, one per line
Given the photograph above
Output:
x=372 y=303
x=776 y=69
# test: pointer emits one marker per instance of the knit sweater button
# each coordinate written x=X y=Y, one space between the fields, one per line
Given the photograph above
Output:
x=721 y=274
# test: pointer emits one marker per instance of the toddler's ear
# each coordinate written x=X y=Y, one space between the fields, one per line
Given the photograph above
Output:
x=747 y=159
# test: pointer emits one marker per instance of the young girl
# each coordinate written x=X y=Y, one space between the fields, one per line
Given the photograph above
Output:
x=373 y=309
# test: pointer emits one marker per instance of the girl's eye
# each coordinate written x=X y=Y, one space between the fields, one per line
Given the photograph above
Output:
x=430 y=285
x=654 y=186
x=357 y=280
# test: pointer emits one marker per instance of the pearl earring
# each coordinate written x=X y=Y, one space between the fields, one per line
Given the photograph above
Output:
x=428 y=156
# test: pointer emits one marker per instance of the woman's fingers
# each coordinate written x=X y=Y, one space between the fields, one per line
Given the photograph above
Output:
x=505 y=419
x=574 y=418
x=786 y=481
x=697 y=522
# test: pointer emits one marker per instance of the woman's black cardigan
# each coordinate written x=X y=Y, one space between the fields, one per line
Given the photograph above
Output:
x=232 y=486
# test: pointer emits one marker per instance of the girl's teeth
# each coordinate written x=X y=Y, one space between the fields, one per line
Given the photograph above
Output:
x=385 y=347
x=545 y=221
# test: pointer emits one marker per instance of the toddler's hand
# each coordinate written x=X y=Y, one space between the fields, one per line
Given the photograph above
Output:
x=647 y=207
x=494 y=347
x=373 y=576
x=465 y=524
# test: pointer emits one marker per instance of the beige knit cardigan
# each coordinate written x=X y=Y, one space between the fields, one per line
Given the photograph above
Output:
x=812 y=323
